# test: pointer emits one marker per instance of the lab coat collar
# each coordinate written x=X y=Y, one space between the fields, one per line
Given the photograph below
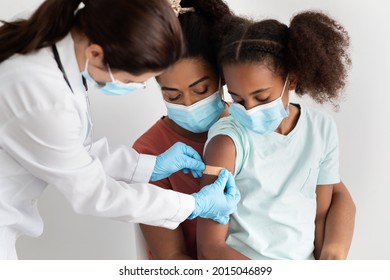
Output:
x=68 y=59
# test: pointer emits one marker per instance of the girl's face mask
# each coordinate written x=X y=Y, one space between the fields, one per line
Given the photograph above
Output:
x=263 y=118
x=114 y=87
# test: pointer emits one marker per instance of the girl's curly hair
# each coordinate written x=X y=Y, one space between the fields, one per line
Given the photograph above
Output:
x=314 y=48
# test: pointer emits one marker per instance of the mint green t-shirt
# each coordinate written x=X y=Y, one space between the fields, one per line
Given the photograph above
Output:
x=277 y=176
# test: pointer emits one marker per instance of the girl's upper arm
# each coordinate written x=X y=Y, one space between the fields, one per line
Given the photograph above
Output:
x=220 y=152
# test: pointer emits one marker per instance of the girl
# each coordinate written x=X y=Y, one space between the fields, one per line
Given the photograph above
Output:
x=284 y=156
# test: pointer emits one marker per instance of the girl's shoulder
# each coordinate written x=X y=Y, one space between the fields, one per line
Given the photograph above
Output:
x=227 y=125
x=317 y=116
x=319 y=122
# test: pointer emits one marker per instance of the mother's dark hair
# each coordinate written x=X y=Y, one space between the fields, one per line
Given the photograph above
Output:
x=137 y=36
x=200 y=27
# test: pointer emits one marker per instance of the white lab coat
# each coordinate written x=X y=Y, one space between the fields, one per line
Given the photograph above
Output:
x=44 y=135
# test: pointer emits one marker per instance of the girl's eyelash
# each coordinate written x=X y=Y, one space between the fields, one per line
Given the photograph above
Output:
x=260 y=100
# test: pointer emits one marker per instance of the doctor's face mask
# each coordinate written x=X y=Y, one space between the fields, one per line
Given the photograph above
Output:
x=114 y=87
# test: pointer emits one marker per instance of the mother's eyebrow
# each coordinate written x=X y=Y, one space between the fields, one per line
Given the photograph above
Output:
x=168 y=88
x=198 y=81
x=191 y=85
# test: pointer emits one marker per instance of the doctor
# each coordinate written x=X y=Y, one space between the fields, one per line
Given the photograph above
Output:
x=45 y=125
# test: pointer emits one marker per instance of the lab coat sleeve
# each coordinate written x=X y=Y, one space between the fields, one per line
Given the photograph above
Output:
x=46 y=142
x=124 y=163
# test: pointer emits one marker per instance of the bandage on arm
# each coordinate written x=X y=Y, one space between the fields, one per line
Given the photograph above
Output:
x=212 y=170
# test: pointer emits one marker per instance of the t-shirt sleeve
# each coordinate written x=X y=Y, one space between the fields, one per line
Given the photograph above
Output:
x=227 y=126
x=329 y=165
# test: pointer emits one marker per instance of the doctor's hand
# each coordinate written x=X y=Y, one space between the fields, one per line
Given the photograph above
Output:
x=178 y=157
x=214 y=201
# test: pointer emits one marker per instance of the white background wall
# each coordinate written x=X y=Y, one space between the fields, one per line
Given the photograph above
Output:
x=363 y=123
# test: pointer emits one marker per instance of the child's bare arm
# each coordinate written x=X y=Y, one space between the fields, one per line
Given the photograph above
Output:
x=211 y=236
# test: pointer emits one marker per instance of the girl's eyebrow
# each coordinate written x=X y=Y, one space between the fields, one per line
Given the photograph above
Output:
x=258 y=91
x=191 y=85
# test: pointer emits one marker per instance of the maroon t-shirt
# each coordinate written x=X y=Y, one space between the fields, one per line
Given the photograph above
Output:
x=157 y=140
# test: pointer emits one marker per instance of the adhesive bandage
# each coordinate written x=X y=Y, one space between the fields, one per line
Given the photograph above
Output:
x=212 y=170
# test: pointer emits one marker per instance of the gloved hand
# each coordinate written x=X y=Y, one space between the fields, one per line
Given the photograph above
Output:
x=177 y=157
x=213 y=202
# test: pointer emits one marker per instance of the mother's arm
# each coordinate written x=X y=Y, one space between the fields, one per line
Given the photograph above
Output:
x=165 y=244
x=334 y=222
x=211 y=235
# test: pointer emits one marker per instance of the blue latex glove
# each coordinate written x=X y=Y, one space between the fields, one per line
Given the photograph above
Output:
x=213 y=202
x=178 y=157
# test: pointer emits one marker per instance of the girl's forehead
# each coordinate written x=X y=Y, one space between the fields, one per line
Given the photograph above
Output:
x=247 y=71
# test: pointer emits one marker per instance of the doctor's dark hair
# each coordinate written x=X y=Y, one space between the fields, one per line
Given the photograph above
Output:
x=199 y=29
x=314 y=48
x=137 y=36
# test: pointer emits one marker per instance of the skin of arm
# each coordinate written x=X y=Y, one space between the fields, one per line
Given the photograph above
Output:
x=211 y=235
x=334 y=227
x=324 y=197
x=165 y=244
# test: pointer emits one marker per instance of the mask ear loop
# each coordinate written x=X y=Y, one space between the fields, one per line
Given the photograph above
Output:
x=220 y=90
x=110 y=73
x=115 y=81
x=86 y=65
x=288 y=97
x=284 y=87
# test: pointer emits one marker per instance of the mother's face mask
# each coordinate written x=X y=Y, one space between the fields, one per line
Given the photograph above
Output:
x=198 y=117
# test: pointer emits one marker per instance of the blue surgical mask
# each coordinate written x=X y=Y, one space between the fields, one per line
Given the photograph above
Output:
x=263 y=118
x=198 y=117
x=114 y=87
